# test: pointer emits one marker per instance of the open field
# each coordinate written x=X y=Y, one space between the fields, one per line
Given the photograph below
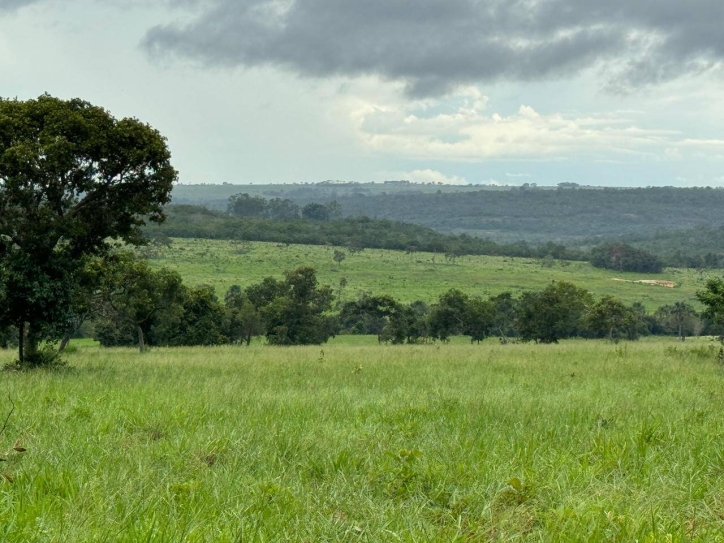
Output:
x=583 y=441
x=409 y=277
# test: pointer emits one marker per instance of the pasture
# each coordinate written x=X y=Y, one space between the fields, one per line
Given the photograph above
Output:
x=582 y=441
x=410 y=277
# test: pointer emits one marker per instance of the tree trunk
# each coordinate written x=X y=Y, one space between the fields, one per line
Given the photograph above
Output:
x=141 y=345
x=21 y=342
x=31 y=343
x=64 y=342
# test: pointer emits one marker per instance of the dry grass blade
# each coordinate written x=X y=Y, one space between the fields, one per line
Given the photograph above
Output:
x=17 y=446
x=7 y=419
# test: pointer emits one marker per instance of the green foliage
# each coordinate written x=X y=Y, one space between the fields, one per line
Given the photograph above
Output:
x=143 y=306
x=448 y=316
x=242 y=320
x=36 y=294
x=505 y=214
x=712 y=296
x=201 y=321
x=244 y=205
x=681 y=226
x=46 y=357
x=679 y=319
x=339 y=256
x=354 y=233
x=316 y=212
x=368 y=314
x=410 y=277
x=610 y=318
x=407 y=323
x=295 y=313
x=622 y=257
x=71 y=178
x=555 y=313
x=700 y=247
x=504 y=324
x=137 y=297
x=8 y=337
x=480 y=319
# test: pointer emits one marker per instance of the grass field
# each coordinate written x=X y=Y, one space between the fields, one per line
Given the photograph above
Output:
x=409 y=277
x=583 y=441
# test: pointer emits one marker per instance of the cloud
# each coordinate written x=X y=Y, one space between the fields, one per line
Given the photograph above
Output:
x=468 y=134
x=11 y=5
x=429 y=176
x=435 y=45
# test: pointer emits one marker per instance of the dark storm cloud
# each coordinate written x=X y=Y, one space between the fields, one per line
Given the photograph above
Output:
x=9 y=5
x=435 y=45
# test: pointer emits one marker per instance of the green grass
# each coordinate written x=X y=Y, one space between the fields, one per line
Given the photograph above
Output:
x=583 y=441
x=409 y=277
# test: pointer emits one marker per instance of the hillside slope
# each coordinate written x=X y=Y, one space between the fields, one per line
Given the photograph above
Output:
x=409 y=277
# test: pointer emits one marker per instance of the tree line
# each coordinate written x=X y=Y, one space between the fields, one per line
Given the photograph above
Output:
x=77 y=183
x=123 y=302
x=681 y=226
x=537 y=214
x=609 y=255
x=250 y=219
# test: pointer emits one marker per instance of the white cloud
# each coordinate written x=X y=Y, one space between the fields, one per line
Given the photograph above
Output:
x=424 y=176
x=459 y=128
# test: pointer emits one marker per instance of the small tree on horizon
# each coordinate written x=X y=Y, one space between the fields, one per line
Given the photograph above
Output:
x=339 y=256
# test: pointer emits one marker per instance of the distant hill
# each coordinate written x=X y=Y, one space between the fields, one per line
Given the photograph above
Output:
x=185 y=221
x=699 y=247
x=504 y=214
x=216 y=196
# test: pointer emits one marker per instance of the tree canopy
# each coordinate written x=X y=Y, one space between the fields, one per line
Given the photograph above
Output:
x=72 y=177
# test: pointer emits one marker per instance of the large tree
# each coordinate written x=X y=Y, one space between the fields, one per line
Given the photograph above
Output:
x=295 y=315
x=448 y=315
x=72 y=177
x=713 y=299
x=680 y=318
x=609 y=317
x=556 y=312
x=135 y=296
x=242 y=321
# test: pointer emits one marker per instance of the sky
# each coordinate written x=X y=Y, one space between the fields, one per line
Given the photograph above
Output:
x=613 y=93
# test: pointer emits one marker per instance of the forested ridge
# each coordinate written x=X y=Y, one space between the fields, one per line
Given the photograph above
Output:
x=529 y=213
x=557 y=215
x=185 y=221
x=255 y=219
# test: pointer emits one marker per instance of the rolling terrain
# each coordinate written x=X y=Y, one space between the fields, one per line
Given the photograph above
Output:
x=503 y=214
x=410 y=277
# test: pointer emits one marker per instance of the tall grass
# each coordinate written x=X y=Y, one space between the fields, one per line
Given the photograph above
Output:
x=582 y=441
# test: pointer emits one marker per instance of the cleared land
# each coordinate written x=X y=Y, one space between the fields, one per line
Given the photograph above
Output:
x=410 y=277
x=583 y=441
